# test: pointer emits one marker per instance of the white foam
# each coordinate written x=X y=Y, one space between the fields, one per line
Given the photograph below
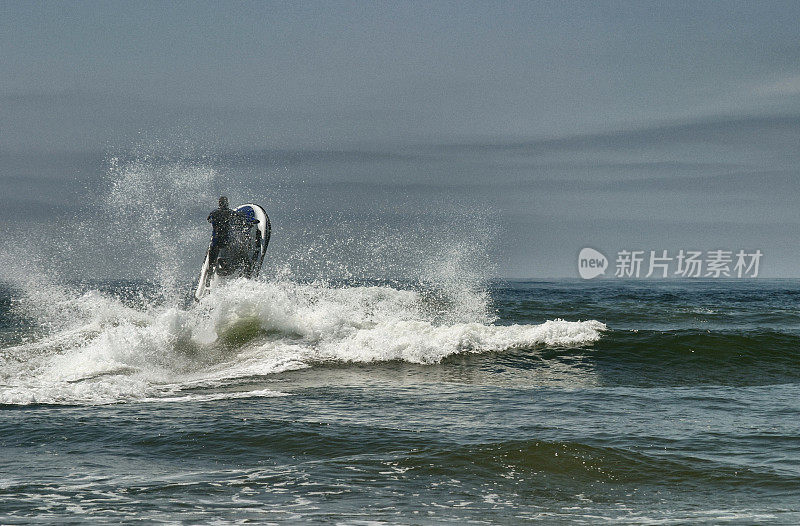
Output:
x=258 y=393
x=102 y=351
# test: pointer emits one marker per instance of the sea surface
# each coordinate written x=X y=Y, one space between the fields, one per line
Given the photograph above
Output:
x=287 y=401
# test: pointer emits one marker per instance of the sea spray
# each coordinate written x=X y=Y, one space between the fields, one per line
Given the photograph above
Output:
x=151 y=205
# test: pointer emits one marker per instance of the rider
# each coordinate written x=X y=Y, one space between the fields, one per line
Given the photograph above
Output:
x=221 y=220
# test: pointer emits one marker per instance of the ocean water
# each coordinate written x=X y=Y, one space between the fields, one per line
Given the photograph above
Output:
x=401 y=402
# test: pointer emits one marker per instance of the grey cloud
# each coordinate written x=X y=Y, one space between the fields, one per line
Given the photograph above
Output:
x=760 y=129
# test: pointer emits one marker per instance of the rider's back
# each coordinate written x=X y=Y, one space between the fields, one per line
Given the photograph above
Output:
x=220 y=220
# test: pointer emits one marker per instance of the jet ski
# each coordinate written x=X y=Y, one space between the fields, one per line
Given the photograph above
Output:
x=243 y=255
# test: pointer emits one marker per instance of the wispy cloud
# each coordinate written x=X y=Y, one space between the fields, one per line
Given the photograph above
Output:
x=785 y=86
x=719 y=130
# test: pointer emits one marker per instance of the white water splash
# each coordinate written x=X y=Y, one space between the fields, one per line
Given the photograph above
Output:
x=113 y=353
x=149 y=204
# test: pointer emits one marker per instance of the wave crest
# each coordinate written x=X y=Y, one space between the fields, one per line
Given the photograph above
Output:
x=112 y=352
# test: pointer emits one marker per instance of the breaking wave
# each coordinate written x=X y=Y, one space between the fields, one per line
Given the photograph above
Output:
x=85 y=345
x=108 y=350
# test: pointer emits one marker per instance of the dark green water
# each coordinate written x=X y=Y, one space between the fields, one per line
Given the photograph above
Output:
x=287 y=402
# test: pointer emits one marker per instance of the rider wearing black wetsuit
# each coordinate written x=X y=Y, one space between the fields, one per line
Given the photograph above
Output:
x=220 y=220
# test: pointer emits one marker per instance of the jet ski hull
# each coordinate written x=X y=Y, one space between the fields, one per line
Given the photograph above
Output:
x=243 y=255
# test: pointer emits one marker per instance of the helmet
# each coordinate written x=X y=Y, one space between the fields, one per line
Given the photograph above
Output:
x=223 y=202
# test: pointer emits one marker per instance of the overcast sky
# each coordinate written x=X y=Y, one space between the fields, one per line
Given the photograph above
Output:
x=655 y=124
x=327 y=73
